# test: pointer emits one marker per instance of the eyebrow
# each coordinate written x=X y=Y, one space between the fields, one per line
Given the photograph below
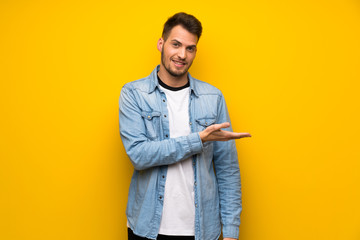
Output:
x=174 y=40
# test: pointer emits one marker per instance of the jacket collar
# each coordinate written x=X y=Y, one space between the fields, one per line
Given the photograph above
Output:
x=154 y=83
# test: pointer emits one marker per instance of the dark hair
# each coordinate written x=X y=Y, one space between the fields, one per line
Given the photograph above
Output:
x=187 y=21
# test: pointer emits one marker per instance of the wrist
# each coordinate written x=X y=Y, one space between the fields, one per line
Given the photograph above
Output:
x=202 y=136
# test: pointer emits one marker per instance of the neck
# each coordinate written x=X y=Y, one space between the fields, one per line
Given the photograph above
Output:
x=170 y=80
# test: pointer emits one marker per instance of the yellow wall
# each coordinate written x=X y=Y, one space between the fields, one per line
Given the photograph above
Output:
x=289 y=70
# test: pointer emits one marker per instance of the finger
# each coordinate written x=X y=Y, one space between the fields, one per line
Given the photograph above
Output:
x=224 y=125
x=235 y=135
x=219 y=126
x=245 y=135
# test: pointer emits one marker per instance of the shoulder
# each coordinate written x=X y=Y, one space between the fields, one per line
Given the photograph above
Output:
x=204 y=88
x=142 y=84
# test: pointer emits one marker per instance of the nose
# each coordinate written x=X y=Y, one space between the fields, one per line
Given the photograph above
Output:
x=182 y=53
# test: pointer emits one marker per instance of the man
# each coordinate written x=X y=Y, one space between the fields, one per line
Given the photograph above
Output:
x=186 y=182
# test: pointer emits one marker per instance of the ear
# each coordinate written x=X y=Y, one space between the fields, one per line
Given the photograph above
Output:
x=160 y=44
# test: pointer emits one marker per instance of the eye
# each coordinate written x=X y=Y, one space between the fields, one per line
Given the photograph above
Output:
x=176 y=44
x=191 y=49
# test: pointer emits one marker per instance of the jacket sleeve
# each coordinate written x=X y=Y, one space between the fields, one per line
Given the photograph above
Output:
x=228 y=177
x=146 y=153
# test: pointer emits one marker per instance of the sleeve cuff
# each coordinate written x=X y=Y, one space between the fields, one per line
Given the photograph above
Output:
x=231 y=231
x=195 y=143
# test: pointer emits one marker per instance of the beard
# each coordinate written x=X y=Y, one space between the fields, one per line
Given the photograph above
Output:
x=168 y=69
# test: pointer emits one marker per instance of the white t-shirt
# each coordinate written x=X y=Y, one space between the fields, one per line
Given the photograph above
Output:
x=178 y=214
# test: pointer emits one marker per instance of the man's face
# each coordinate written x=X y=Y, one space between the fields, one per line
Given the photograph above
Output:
x=178 y=51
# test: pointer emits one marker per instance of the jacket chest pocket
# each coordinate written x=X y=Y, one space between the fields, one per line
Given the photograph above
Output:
x=152 y=124
x=203 y=123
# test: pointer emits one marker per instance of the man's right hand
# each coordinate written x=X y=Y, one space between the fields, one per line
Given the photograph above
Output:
x=214 y=133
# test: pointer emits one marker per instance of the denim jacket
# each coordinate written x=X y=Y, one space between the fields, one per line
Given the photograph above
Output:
x=144 y=130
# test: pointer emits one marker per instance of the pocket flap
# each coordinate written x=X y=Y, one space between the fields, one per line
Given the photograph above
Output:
x=205 y=122
x=150 y=115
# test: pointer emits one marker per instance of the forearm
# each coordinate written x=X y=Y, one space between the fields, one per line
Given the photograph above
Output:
x=145 y=154
x=229 y=184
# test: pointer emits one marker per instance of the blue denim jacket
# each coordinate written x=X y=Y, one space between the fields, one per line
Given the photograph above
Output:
x=144 y=130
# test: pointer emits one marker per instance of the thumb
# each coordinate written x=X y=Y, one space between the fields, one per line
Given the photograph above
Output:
x=224 y=125
x=217 y=127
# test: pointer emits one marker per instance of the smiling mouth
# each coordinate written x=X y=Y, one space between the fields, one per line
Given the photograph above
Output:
x=179 y=63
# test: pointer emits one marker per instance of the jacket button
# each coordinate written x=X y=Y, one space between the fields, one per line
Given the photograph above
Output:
x=163 y=100
x=164 y=115
x=166 y=135
x=160 y=197
x=190 y=123
x=149 y=117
